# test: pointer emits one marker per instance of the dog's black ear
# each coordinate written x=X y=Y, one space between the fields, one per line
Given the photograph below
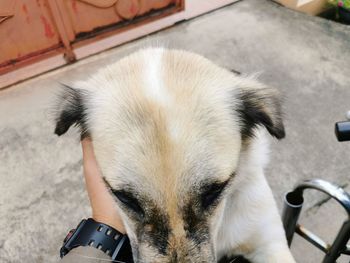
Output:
x=71 y=110
x=260 y=106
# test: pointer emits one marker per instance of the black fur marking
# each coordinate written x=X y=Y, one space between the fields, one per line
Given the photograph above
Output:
x=195 y=212
x=235 y=259
x=73 y=112
x=253 y=112
x=211 y=193
x=235 y=71
x=128 y=200
x=152 y=226
x=195 y=223
x=157 y=229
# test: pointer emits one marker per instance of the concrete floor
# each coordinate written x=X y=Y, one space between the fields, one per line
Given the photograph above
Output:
x=308 y=58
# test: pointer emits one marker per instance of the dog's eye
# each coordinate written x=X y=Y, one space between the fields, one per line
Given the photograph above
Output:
x=211 y=194
x=129 y=201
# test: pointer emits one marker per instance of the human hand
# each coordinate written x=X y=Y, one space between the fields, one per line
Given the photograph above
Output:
x=102 y=203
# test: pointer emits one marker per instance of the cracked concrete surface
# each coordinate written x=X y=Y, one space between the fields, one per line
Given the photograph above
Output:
x=41 y=188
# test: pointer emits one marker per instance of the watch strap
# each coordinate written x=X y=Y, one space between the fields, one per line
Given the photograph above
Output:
x=101 y=236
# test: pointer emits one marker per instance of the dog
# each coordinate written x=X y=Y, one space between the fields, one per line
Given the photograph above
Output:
x=182 y=145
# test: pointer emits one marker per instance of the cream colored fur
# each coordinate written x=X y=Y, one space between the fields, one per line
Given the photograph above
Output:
x=162 y=121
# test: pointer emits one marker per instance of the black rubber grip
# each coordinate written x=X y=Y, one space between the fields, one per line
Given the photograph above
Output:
x=342 y=131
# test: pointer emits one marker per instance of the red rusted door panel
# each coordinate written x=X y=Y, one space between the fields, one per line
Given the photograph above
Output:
x=26 y=29
x=31 y=30
x=85 y=17
x=89 y=15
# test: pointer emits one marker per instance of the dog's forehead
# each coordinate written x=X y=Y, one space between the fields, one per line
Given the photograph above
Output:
x=163 y=118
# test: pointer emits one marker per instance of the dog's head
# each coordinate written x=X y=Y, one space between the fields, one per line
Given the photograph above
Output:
x=168 y=128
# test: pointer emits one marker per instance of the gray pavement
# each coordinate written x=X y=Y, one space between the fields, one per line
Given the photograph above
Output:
x=308 y=58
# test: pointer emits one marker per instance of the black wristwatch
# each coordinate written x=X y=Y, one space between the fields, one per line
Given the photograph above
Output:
x=101 y=236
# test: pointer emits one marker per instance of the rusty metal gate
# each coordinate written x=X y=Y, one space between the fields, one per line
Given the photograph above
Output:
x=38 y=35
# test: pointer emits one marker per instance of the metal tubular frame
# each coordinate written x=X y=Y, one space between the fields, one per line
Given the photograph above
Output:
x=293 y=204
